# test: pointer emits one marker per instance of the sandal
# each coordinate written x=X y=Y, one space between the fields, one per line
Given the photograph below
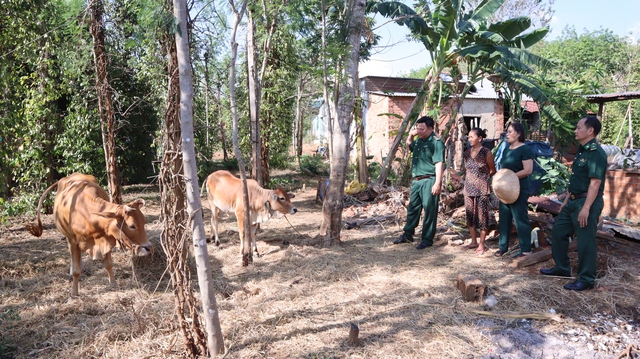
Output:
x=499 y=253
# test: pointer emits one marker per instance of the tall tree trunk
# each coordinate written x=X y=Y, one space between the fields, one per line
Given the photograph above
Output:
x=107 y=120
x=173 y=237
x=206 y=96
x=247 y=255
x=194 y=208
x=332 y=205
x=255 y=91
x=411 y=116
x=361 y=148
x=298 y=127
x=223 y=137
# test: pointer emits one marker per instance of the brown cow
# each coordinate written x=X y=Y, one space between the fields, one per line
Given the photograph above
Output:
x=92 y=224
x=224 y=192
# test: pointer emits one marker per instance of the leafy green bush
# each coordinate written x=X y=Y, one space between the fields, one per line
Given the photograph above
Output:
x=555 y=178
x=286 y=183
x=23 y=204
x=314 y=164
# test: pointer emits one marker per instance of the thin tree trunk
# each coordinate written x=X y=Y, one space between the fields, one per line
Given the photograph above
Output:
x=255 y=89
x=332 y=205
x=206 y=96
x=412 y=115
x=298 y=127
x=325 y=78
x=223 y=137
x=247 y=254
x=174 y=236
x=194 y=208
x=107 y=121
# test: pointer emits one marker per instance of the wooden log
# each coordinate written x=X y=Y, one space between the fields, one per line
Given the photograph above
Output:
x=354 y=331
x=545 y=254
x=473 y=290
x=540 y=256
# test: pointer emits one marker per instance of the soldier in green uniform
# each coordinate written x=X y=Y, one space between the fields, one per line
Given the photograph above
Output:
x=427 y=164
x=581 y=209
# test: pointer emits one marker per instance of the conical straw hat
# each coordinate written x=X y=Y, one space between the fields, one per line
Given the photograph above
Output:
x=506 y=186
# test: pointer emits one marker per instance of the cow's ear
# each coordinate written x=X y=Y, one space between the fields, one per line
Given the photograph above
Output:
x=128 y=209
x=267 y=205
x=137 y=204
x=291 y=195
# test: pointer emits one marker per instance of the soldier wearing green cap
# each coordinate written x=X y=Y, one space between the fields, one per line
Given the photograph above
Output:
x=427 y=163
x=581 y=209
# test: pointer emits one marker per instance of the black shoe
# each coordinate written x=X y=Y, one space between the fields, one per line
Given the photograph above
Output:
x=423 y=245
x=578 y=286
x=554 y=271
x=404 y=238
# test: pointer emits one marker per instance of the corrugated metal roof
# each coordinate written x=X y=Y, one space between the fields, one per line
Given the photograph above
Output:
x=614 y=96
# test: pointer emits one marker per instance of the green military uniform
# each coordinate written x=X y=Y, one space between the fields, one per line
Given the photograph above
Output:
x=517 y=211
x=590 y=162
x=426 y=153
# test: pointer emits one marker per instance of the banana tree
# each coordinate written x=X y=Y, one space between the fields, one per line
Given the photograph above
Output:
x=440 y=31
x=500 y=50
x=451 y=32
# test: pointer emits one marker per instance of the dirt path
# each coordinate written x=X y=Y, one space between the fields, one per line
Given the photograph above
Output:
x=298 y=300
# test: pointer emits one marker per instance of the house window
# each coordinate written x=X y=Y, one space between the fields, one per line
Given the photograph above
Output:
x=471 y=122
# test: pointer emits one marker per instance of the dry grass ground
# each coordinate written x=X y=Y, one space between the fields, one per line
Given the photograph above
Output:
x=298 y=300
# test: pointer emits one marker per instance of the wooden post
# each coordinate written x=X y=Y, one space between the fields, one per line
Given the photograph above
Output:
x=600 y=109
x=354 y=331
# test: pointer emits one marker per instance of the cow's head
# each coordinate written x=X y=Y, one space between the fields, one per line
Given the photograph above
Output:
x=279 y=203
x=131 y=232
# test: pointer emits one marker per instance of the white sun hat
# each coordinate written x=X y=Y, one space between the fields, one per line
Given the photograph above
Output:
x=506 y=186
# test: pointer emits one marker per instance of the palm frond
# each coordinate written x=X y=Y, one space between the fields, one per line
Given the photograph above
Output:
x=512 y=27
x=529 y=39
x=485 y=9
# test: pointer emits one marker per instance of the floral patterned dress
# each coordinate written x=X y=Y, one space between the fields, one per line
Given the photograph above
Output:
x=476 y=189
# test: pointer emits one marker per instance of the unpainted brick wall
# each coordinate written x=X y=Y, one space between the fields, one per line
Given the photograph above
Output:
x=378 y=127
x=622 y=195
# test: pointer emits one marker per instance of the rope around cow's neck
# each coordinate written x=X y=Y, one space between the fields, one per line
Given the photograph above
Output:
x=294 y=228
x=120 y=240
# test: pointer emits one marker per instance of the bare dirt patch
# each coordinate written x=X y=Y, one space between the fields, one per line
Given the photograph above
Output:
x=298 y=300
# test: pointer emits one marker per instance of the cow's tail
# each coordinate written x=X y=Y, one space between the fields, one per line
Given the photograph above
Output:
x=204 y=186
x=36 y=228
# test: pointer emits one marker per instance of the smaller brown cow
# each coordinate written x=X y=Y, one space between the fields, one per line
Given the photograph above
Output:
x=224 y=192
x=92 y=224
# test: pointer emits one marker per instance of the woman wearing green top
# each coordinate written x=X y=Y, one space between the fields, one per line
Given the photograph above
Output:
x=519 y=158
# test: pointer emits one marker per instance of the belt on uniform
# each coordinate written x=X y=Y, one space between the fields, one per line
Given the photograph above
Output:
x=582 y=195
x=418 y=178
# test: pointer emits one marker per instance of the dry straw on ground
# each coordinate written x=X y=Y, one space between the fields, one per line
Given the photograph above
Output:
x=298 y=300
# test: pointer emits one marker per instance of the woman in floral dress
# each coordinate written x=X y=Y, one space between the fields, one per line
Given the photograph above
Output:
x=479 y=167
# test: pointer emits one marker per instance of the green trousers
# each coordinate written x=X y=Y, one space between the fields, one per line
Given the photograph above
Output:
x=420 y=198
x=565 y=226
x=517 y=212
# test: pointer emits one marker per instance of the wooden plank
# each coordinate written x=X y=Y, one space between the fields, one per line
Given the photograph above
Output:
x=540 y=256
x=545 y=254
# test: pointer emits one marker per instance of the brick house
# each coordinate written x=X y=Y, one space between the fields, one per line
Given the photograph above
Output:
x=483 y=107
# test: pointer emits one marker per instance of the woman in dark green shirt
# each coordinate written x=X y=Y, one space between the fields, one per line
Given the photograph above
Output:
x=519 y=158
